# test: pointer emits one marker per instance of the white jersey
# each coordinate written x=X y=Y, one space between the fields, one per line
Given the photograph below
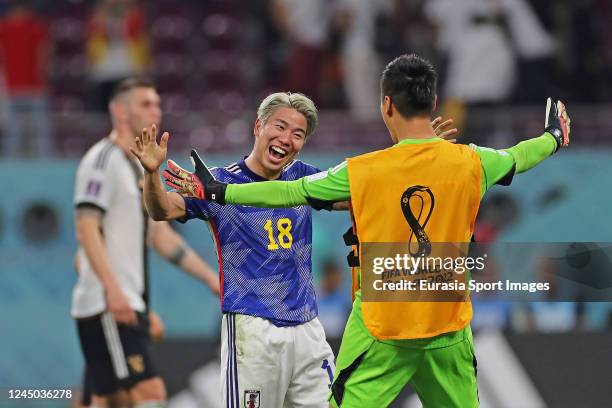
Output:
x=109 y=180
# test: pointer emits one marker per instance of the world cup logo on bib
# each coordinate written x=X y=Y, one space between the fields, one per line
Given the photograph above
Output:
x=417 y=205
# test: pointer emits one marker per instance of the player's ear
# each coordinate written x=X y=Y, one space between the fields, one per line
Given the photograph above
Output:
x=435 y=104
x=257 y=127
x=387 y=106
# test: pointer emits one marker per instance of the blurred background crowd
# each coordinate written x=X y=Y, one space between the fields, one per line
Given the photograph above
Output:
x=214 y=60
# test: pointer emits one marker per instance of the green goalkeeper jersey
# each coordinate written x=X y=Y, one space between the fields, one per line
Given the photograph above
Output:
x=498 y=166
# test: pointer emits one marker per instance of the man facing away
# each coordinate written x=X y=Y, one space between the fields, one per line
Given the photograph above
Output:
x=110 y=299
x=387 y=345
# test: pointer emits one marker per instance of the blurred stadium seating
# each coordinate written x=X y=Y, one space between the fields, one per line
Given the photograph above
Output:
x=213 y=60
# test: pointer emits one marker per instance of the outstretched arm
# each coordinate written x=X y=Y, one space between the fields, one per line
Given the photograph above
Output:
x=161 y=205
x=326 y=186
x=330 y=185
x=529 y=153
x=316 y=190
x=499 y=166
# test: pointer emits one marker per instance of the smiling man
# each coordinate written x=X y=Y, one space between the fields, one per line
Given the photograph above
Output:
x=427 y=344
x=274 y=351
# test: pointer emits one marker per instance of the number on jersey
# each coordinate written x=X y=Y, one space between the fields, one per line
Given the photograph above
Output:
x=283 y=236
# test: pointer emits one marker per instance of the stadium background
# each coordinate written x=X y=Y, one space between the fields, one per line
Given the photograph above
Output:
x=213 y=61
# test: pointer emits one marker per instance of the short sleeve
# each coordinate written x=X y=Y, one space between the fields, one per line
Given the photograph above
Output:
x=202 y=209
x=95 y=184
x=196 y=208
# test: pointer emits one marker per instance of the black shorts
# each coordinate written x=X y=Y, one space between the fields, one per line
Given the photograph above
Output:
x=116 y=355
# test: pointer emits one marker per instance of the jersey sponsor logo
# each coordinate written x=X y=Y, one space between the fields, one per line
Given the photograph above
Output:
x=316 y=176
x=420 y=193
x=93 y=188
x=251 y=398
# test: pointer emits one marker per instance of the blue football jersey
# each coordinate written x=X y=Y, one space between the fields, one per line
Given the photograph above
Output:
x=264 y=254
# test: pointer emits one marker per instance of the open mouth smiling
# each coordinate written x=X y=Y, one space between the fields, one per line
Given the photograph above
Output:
x=277 y=152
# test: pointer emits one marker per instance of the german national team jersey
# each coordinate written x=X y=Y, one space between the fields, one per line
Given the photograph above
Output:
x=107 y=179
x=264 y=254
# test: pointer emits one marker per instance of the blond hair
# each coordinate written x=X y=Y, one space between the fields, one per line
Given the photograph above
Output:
x=297 y=101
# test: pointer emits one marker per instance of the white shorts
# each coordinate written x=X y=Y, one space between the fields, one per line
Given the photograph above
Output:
x=265 y=366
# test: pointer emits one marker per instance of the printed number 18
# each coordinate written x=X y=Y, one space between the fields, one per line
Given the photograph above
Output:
x=285 y=239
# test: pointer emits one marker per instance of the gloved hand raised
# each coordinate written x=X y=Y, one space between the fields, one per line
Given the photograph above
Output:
x=557 y=122
x=200 y=184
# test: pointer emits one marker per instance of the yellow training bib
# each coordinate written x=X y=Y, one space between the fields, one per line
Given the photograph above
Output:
x=440 y=183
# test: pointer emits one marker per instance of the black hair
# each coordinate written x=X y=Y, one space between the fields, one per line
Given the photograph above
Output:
x=410 y=81
x=131 y=83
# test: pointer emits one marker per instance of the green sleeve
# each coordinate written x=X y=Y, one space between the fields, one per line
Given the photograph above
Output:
x=333 y=184
x=500 y=164
x=529 y=153
x=330 y=185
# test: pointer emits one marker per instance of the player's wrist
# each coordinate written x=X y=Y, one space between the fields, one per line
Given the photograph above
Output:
x=111 y=288
x=215 y=191
x=152 y=172
x=557 y=135
x=557 y=122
